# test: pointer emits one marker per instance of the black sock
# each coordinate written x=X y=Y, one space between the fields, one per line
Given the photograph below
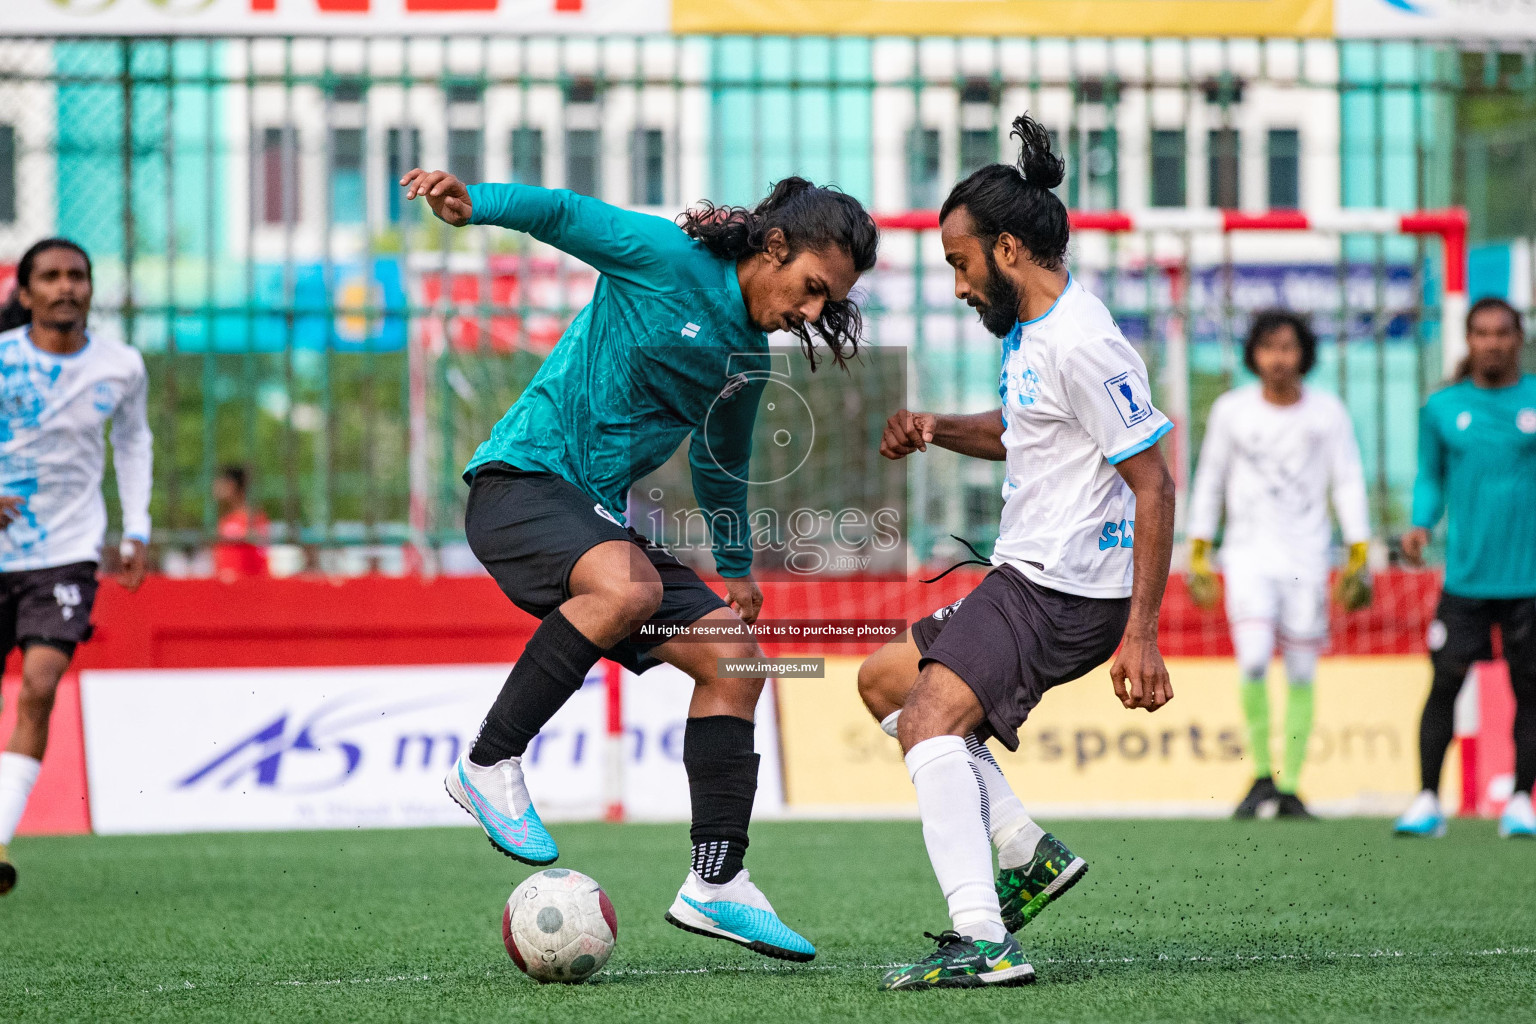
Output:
x=552 y=667
x=722 y=780
x=1438 y=723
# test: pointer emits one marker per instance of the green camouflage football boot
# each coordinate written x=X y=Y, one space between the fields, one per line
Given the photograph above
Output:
x=962 y=962
x=1025 y=891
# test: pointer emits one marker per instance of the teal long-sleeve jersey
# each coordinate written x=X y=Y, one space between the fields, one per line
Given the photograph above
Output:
x=1477 y=466
x=664 y=350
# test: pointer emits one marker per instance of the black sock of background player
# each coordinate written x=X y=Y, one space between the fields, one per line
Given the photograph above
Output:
x=552 y=667
x=722 y=781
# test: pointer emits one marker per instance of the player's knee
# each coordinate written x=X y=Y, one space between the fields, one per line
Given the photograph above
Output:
x=634 y=600
x=875 y=685
x=37 y=695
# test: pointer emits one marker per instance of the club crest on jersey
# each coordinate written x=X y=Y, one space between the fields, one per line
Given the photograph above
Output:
x=1526 y=421
x=1132 y=405
x=68 y=597
x=947 y=611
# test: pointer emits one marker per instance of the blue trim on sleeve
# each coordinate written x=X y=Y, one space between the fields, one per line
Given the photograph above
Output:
x=1141 y=446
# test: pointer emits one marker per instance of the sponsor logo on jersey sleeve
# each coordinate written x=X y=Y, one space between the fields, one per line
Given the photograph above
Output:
x=1133 y=404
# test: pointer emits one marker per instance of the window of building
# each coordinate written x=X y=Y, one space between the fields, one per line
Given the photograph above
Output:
x=978 y=147
x=1222 y=179
x=7 y=174
x=1284 y=169
x=1168 y=170
x=527 y=156
x=923 y=168
x=648 y=168
x=347 y=176
x=279 y=175
x=583 y=151
x=402 y=152
x=1103 y=170
x=464 y=154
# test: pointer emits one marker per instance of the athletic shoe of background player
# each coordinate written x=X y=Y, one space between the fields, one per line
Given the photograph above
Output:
x=1422 y=818
x=1518 y=819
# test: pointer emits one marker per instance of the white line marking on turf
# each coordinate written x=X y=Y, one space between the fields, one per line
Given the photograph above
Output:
x=626 y=972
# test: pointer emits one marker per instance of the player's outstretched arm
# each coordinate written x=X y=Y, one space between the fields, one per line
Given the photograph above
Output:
x=635 y=247
x=1139 y=675
x=979 y=435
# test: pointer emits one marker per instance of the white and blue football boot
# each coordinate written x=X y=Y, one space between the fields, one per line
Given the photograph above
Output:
x=1422 y=818
x=497 y=798
x=738 y=911
x=1518 y=819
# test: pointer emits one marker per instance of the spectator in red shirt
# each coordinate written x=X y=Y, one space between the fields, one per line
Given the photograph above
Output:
x=242 y=546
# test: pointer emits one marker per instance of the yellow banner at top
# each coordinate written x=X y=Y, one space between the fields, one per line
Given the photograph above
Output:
x=1135 y=18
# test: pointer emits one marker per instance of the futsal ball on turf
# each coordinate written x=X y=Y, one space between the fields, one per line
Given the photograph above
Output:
x=559 y=925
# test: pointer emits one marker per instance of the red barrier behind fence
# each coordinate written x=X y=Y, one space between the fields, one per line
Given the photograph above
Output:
x=385 y=621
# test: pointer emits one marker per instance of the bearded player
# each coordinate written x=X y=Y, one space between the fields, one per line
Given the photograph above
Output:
x=1274 y=454
x=1081 y=562
x=660 y=355
x=59 y=386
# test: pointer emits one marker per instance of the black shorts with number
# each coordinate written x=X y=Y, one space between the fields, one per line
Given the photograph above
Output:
x=529 y=528
x=47 y=606
x=1462 y=632
x=1011 y=639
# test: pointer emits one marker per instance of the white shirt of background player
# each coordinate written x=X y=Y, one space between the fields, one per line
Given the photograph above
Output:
x=1274 y=468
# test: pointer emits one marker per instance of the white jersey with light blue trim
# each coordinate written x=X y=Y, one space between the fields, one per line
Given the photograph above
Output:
x=1075 y=402
x=53 y=411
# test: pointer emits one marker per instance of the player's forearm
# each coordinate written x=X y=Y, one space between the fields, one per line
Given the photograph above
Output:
x=1152 y=553
x=979 y=435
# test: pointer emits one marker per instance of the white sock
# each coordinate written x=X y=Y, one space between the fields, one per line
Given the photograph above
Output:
x=888 y=723
x=18 y=772
x=1014 y=833
x=950 y=800
x=501 y=781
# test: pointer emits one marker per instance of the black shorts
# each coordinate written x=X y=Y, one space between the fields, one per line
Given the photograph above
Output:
x=47 y=606
x=1011 y=639
x=1462 y=631
x=529 y=529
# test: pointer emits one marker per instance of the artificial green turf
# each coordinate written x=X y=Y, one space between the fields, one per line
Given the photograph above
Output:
x=1177 y=921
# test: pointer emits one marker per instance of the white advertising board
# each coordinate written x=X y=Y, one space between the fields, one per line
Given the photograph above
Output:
x=331 y=17
x=236 y=749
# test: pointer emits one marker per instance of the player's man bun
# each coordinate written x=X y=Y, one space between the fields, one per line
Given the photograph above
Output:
x=1037 y=164
x=814 y=217
x=1017 y=199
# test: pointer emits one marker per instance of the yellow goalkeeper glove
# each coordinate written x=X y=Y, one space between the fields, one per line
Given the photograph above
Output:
x=1353 y=591
x=1204 y=587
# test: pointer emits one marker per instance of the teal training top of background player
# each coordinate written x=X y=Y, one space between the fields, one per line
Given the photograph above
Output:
x=643 y=366
x=1477 y=465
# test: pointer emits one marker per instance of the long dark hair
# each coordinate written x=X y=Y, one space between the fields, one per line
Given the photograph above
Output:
x=1268 y=320
x=1464 y=368
x=813 y=217
x=1018 y=199
x=14 y=314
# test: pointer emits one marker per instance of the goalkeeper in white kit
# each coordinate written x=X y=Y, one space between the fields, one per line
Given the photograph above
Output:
x=1274 y=454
